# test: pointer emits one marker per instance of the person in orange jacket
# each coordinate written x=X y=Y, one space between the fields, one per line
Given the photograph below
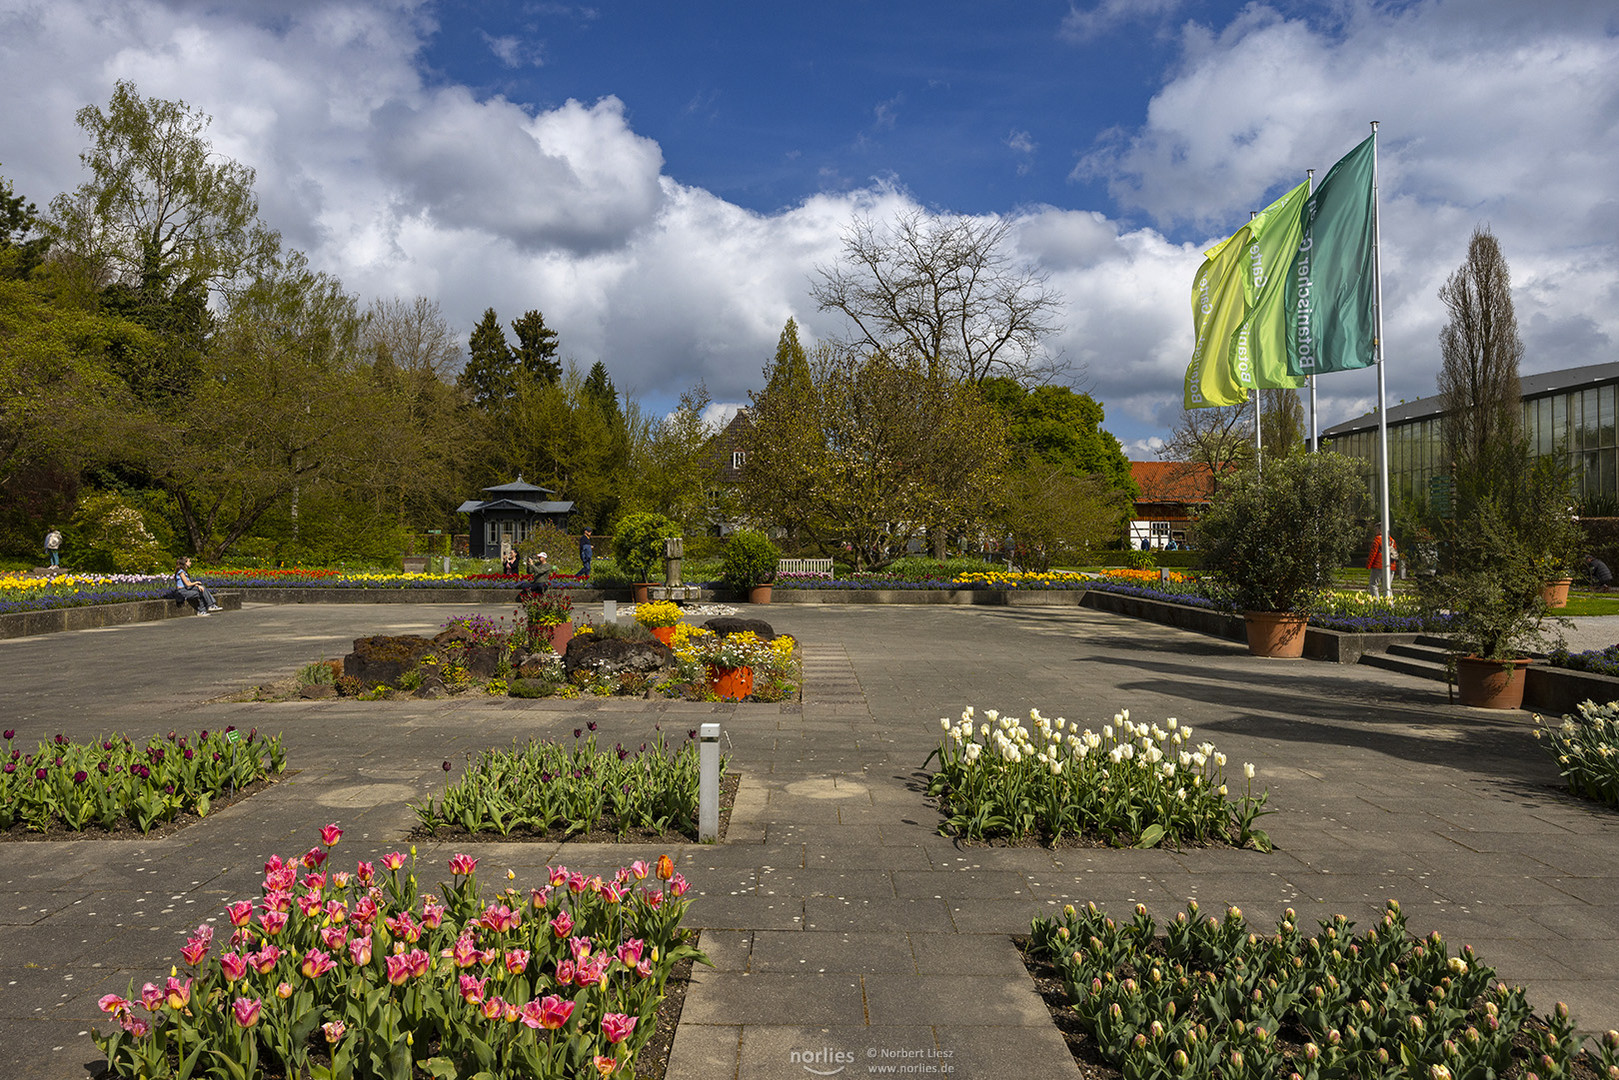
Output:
x=1374 y=564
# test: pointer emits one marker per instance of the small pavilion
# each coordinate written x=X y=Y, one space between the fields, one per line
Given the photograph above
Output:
x=509 y=514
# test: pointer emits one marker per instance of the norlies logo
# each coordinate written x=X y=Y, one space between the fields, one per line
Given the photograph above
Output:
x=823 y=1057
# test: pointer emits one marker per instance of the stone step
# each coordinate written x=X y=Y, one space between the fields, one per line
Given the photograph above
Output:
x=1423 y=667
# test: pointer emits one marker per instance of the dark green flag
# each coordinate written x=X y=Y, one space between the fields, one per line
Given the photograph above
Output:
x=1331 y=291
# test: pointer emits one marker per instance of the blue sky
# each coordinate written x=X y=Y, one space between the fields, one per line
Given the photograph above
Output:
x=661 y=180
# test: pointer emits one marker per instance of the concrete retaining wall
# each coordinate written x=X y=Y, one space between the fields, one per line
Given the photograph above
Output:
x=28 y=623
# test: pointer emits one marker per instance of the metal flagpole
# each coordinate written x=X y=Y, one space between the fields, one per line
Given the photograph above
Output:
x=1315 y=441
x=1259 y=455
x=1382 y=381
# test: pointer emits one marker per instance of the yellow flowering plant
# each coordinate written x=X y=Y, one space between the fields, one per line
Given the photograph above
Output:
x=660 y=613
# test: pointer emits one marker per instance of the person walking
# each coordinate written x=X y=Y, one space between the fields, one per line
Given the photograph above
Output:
x=1374 y=564
x=585 y=552
x=53 y=547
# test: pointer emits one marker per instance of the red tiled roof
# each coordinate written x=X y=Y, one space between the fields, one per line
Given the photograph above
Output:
x=1172 y=481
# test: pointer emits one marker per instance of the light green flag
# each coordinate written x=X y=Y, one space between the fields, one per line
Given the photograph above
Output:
x=1331 y=289
x=1218 y=308
x=1259 y=349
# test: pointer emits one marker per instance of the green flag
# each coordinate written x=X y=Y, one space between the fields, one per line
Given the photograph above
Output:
x=1259 y=350
x=1218 y=308
x=1331 y=291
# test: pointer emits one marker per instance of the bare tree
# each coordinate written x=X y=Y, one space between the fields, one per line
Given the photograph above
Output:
x=945 y=290
x=1480 y=349
x=1281 y=421
x=1218 y=439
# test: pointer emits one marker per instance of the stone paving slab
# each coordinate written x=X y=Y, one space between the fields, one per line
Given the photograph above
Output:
x=833 y=861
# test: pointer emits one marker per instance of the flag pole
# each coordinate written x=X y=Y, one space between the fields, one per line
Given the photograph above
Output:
x=1382 y=381
x=1259 y=455
x=1315 y=441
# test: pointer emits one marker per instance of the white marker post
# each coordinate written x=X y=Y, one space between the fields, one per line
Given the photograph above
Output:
x=708 y=783
x=610 y=611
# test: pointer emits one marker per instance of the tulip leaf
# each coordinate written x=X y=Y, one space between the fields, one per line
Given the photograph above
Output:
x=1151 y=836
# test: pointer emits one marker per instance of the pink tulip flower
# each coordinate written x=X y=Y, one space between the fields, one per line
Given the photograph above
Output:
x=462 y=865
x=562 y=924
x=473 y=989
x=516 y=960
x=629 y=953
x=273 y=922
x=112 y=1003
x=393 y=860
x=316 y=963
x=334 y=1030
x=330 y=835
x=241 y=912
x=364 y=873
x=233 y=966
x=246 y=1011
x=360 y=951
x=179 y=993
x=640 y=869
x=152 y=997
x=617 y=1027
x=554 y=1012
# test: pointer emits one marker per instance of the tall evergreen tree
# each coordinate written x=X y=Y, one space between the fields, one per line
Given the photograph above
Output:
x=599 y=389
x=536 y=349
x=487 y=378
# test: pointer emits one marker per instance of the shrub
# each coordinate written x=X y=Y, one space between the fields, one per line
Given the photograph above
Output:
x=606 y=573
x=622 y=630
x=750 y=559
x=661 y=613
x=111 y=535
x=320 y=673
x=1586 y=749
x=112 y=780
x=532 y=688
x=562 y=548
x=1273 y=537
x=1132 y=784
x=1211 y=998
x=638 y=544
x=564 y=982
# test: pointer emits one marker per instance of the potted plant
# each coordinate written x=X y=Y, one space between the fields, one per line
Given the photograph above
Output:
x=1272 y=538
x=1548 y=519
x=660 y=617
x=1488 y=599
x=549 y=619
x=750 y=564
x=638 y=547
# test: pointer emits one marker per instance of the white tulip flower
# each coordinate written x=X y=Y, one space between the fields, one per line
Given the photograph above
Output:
x=1248 y=770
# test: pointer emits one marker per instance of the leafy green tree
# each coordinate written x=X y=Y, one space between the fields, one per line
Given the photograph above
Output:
x=486 y=379
x=20 y=250
x=1281 y=421
x=285 y=405
x=1061 y=427
x=1054 y=516
x=873 y=453
x=536 y=348
x=782 y=440
x=161 y=208
x=675 y=466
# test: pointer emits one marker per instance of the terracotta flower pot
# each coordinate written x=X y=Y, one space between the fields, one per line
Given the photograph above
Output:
x=665 y=634
x=1276 y=633
x=640 y=591
x=560 y=636
x=759 y=594
x=731 y=684
x=1555 y=592
x=1490 y=684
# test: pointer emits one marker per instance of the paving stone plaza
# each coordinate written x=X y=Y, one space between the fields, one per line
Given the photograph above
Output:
x=839 y=922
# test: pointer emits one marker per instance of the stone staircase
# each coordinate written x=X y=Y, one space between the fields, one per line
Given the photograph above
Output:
x=1424 y=657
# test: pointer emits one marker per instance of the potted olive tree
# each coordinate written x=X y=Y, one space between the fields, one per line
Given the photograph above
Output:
x=1487 y=599
x=638 y=548
x=750 y=564
x=1272 y=539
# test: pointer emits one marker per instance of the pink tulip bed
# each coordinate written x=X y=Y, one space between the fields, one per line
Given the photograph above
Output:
x=115 y=785
x=359 y=973
x=1209 y=997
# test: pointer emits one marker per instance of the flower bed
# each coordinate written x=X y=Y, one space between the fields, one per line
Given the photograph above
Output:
x=359 y=974
x=1586 y=748
x=554 y=790
x=1211 y=998
x=700 y=654
x=113 y=783
x=1598 y=661
x=21 y=592
x=1131 y=784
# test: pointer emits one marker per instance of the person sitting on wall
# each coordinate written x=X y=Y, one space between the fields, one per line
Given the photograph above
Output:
x=190 y=590
x=1597 y=570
